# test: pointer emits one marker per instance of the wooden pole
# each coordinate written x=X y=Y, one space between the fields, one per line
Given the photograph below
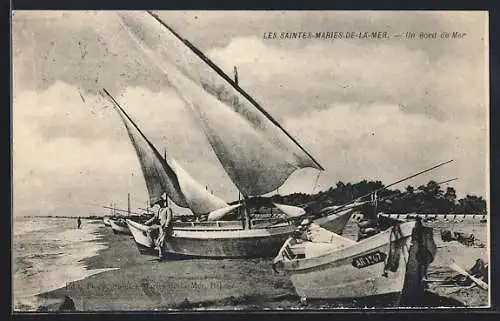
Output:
x=392 y=184
x=246 y=214
x=236 y=75
x=128 y=204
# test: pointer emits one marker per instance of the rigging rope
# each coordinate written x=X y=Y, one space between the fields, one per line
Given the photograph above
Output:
x=316 y=182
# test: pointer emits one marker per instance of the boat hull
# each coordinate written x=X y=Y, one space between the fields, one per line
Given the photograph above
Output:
x=228 y=240
x=144 y=237
x=228 y=244
x=106 y=221
x=361 y=270
x=346 y=281
x=146 y=250
x=119 y=229
x=224 y=239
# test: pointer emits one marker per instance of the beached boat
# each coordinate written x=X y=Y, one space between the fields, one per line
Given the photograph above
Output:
x=119 y=226
x=255 y=151
x=106 y=221
x=392 y=262
x=144 y=236
x=223 y=244
x=217 y=239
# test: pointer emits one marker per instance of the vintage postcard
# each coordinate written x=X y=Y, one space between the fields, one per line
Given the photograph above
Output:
x=250 y=160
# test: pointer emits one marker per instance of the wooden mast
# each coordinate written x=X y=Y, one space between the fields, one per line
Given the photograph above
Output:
x=165 y=158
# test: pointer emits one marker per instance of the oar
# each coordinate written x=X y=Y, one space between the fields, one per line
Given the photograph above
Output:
x=483 y=285
x=394 y=183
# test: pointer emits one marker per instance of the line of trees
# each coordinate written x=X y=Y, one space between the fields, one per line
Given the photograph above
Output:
x=429 y=198
x=425 y=199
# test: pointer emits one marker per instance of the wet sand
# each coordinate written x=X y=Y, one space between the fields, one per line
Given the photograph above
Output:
x=143 y=283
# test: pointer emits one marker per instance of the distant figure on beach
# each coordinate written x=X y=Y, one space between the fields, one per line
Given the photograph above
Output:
x=79 y=222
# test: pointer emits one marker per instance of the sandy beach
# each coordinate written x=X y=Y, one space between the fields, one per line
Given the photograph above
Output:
x=143 y=283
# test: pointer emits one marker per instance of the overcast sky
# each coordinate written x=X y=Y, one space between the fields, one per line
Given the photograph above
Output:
x=365 y=109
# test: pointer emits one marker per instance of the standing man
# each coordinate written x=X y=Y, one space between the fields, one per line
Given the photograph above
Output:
x=165 y=217
x=79 y=222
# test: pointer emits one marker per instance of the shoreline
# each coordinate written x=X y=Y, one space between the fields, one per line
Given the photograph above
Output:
x=159 y=286
x=143 y=284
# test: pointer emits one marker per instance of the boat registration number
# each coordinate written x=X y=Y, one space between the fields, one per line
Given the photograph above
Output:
x=368 y=259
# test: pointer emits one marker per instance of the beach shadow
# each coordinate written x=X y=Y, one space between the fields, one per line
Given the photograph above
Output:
x=433 y=300
x=61 y=304
x=177 y=257
x=169 y=258
x=293 y=302
x=181 y=257
x=426 y=300
x=249 y=302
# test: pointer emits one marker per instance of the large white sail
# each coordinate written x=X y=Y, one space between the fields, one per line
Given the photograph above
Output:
x=199 y=200
x=165 y=175
x=255 y=151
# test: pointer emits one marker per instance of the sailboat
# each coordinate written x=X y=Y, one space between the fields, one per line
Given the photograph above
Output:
x=212 y=238
x=106 y=219
x=254 y=150
x=118 y=222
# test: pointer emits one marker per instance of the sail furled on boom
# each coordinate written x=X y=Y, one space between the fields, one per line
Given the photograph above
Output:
x=164 y=175
x=289 y=210
x=253 y=148
x=218 y=214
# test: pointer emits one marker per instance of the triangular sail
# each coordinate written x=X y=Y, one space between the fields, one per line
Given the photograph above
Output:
x=255 y=151
x=164 y=175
